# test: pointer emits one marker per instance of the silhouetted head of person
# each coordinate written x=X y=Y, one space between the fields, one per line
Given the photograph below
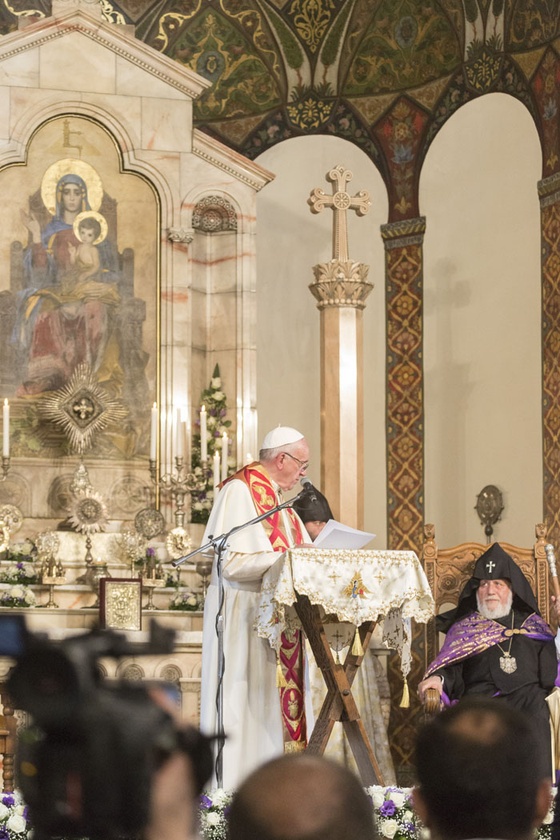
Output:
x=301 y=797
x=480 y=772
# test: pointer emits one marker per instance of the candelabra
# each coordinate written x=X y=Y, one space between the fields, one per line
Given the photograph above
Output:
x=5 y=467
x=177 y=484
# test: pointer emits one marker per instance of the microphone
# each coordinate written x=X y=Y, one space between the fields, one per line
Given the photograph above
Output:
x=307 y=485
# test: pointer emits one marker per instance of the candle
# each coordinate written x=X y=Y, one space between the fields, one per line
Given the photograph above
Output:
x=179 y=435
x=6 y=430
x=153 y=434
x=224 y=455
x=216 y=470
x=203 y=435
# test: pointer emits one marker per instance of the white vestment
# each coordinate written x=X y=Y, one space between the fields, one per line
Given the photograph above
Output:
x=251 y=701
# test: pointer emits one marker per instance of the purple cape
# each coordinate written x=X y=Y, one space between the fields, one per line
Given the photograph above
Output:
x=474 y=634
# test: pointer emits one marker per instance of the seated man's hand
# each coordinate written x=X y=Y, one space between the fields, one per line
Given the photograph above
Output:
x=430 y=682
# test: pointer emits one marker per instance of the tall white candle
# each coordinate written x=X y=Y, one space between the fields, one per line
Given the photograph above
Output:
x=216 y=470
x=179 y=435
x=153 y=433
x=225 y=443
x=203 y=435
x=6 y=430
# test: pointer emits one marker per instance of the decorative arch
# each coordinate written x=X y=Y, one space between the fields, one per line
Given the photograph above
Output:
x=214 y=214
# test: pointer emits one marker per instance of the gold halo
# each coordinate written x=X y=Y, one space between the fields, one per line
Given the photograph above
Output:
x=91 y=214
x=77 y=167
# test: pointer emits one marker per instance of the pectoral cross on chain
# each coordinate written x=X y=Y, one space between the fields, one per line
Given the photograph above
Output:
x=340 y=202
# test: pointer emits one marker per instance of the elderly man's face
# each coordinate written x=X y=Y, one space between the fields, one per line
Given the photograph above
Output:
x=291 y=466
x=494 y=598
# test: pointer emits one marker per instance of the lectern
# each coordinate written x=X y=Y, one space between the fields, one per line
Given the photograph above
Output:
x=310 y=586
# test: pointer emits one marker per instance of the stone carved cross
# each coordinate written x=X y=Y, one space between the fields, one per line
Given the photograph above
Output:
x=340 y=202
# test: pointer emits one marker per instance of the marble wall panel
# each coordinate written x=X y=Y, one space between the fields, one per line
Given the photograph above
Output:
x=77 y=63
x=129 y=111
x=165 y=124
x=132 y=80
x=5 y=108
x=21 y=70
x=223 y=262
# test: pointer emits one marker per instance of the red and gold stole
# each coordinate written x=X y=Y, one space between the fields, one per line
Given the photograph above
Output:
x=290 y=655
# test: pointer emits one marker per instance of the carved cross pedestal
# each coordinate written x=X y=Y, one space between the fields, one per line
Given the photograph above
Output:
x=341 y=288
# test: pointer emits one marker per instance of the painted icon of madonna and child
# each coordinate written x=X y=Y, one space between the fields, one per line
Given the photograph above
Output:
x=68 y=310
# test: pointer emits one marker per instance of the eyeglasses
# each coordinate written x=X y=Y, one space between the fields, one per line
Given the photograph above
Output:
x=302 y=464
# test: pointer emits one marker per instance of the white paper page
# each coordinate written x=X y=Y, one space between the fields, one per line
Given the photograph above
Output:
x=337 y=535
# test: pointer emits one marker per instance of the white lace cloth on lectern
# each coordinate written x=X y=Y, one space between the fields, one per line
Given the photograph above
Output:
x=389 y=587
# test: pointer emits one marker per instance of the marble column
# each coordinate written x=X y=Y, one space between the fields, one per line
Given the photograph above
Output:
x=341 y=288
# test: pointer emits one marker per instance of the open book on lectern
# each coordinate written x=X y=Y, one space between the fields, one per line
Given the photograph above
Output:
x=337 y=535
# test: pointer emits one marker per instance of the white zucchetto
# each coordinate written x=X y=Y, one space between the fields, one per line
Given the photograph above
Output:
x=281 y=436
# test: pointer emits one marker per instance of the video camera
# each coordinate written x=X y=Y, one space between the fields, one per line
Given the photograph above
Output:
x=86 y=762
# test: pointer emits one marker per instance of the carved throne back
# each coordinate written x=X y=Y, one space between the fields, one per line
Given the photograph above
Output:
x=448 y=570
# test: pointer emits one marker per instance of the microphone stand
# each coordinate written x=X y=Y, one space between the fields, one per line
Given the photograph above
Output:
x=219 y=544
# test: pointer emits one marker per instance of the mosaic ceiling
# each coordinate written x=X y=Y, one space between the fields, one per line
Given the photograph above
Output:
x=384 y=74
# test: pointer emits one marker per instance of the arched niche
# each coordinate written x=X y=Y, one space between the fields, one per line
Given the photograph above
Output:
x=482 y=333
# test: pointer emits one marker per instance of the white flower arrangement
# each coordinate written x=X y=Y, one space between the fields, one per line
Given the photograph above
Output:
x=394 y=815
x=21 y=551
x=14 y=824
x=187 y=601
x=392 y=808
x=18 y=572
x=17 y=596
x=213 y=809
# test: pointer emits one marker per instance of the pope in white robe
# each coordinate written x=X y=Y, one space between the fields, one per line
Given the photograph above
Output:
x=251 y=700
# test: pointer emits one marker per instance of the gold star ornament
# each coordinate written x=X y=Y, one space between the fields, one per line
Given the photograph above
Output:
x=82 y=408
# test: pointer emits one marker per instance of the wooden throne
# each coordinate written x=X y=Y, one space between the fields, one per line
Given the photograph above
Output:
x=448 y=569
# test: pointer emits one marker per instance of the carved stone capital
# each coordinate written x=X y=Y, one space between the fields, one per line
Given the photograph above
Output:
x=403 y=233
x=549 y=190
x=341 y=283
x=180 y=235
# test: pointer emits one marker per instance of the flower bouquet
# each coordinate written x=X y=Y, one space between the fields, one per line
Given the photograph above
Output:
x=213 y=810
x=19 y=572
x=394 y=816
x=17 y=565
x=18 y=596
x=187 y=601
x=14 y=824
